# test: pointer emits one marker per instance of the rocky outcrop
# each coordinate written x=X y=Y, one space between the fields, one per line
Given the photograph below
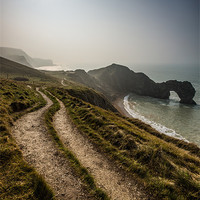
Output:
x=121 y=79
x=185 y=90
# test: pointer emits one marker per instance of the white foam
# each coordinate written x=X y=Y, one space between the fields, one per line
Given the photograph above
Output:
x=157 y=126
x=50 y=68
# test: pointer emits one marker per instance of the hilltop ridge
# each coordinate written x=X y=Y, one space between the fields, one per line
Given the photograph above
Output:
x=11 y=69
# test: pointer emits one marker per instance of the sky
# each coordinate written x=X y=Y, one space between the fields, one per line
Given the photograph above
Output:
x=96 y=33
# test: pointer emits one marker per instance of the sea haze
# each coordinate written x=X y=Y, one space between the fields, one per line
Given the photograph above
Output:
x=169 y=116
x=50 y=68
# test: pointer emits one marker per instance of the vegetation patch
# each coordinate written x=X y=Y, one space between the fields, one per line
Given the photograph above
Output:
x=18 y=180
x=164 y=169
x=21 y=79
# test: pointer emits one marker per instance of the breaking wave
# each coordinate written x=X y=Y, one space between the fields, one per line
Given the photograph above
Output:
x=159 y=127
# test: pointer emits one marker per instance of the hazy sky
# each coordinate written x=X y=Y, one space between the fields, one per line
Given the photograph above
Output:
x=96 y=33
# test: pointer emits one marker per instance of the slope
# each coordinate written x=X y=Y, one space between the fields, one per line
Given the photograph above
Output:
x=165 y=168
x=12 y=69
x=108 y=176
x=87 y=94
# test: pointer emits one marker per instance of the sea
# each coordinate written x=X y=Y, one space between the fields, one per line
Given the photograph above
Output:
x=168 y=116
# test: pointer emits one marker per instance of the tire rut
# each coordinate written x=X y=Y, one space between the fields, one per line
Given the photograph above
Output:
x=40 y=151
x=108 y=177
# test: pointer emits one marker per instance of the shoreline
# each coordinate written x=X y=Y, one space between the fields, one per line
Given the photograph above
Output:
x=119 y=105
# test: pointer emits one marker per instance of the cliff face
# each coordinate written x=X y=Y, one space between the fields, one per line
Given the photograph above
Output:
x=39 y=62
x=116 y=79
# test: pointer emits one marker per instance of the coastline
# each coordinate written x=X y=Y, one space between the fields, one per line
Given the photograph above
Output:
x=119 y=105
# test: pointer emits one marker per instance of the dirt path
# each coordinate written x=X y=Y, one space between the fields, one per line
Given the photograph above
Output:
x=117 y=185
x=39 y=150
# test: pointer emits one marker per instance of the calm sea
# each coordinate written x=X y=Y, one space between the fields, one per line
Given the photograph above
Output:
x=169 y=116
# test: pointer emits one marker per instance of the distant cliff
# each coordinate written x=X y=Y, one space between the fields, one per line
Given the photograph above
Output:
x=19 y=56
x=116 y=79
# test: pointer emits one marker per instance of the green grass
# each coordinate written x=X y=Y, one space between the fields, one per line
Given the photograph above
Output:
x=18 y=180
x=157 y=162
x=80 y=170
x=86 y=94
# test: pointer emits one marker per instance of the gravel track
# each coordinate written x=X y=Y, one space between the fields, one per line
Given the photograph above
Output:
x=40 y=151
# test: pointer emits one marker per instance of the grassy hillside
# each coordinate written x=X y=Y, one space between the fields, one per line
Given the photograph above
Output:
x=164 y=169
x=88 y=95
x=57 y=74
x=168 y=168
x=10 y=69
x=17 y=179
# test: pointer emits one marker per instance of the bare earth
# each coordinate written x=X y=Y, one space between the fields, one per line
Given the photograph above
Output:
x=40 y=151
x=108 y=177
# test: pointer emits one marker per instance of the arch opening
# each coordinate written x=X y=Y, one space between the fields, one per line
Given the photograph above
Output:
x=174 y=96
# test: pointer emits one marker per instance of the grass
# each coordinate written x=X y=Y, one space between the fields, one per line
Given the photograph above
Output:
x=164 y=169
x=80 y=170
x=18 y=180
x=87 y=94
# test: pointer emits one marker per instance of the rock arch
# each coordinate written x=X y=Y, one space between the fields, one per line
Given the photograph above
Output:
x=184 y=89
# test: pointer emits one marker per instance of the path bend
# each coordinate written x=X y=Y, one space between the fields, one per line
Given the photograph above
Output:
x=41 y=152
